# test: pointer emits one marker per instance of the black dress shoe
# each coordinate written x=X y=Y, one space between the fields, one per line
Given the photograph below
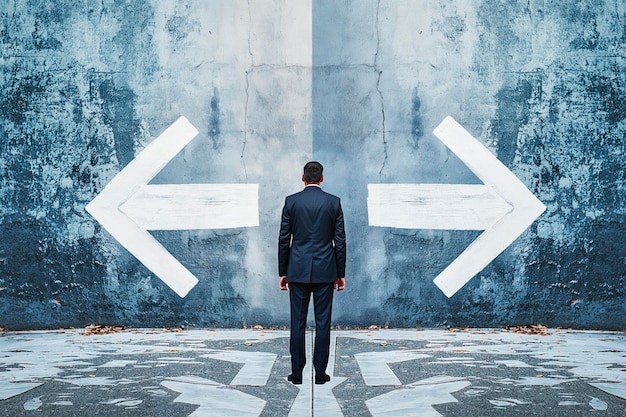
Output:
x=322 y=379
x=294 y=379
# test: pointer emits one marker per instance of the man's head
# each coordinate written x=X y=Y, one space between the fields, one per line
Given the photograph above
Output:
x=313 y=173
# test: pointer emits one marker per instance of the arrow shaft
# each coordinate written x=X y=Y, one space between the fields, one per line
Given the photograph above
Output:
x=194 y=206
x=435 y=206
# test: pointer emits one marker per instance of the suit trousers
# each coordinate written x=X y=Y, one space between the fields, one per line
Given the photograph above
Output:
x=299 y=296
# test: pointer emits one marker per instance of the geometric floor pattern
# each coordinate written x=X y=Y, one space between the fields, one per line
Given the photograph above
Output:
x=390 y=373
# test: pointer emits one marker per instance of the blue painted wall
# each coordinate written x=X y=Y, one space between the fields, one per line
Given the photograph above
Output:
x=85 y=86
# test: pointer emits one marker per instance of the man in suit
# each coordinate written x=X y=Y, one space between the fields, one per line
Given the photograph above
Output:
x=311 y=261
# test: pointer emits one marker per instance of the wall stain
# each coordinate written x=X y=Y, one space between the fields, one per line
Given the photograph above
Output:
x=118 y=111
x=417 y=124
x=513 y=111
x=214 y=120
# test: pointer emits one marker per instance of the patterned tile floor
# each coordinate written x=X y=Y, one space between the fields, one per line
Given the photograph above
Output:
x=391 y=373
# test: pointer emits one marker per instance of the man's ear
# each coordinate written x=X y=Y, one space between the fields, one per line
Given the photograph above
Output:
x=303 y=180
x=322 y=179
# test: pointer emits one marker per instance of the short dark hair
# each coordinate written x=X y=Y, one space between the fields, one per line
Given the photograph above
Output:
x=313 y=172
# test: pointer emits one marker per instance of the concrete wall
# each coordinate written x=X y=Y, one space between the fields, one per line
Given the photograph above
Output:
x=270 y=84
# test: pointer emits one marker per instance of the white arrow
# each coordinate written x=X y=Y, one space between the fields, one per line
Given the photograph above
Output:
x=214 y=399
x=417 y=399
x=375 y=368
x=256 y=368
x=317 y=399
x=127 y=207
x=503 y=207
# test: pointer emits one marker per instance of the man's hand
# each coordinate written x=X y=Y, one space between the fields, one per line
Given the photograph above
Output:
x=340 y=284
x=283 y=284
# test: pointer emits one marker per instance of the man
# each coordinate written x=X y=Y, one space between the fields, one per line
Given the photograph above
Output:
x=311 y=260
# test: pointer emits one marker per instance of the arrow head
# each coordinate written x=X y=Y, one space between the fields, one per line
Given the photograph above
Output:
x=526 y=208
x=127 y=206
x=105 y=207
x=502 y=206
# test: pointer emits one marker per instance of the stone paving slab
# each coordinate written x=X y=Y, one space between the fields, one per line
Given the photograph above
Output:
x=391 y=373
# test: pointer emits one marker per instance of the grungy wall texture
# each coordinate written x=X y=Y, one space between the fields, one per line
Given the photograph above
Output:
x=271 y=84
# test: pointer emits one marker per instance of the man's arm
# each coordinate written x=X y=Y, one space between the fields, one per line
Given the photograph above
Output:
x=284 y=244
x=340 y=244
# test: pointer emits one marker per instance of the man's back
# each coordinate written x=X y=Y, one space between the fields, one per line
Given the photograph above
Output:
x=312 y=237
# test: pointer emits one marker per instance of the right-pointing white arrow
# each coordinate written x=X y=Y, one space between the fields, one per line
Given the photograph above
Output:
x=503 y=207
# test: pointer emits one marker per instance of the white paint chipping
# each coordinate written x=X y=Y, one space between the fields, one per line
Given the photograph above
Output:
x=617 y=389
x=510 y=363
x=33 y=404
x=10 y=389
x=598 y=404
x=117 y=364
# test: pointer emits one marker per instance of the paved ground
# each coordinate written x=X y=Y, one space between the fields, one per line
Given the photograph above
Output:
x=391 y=373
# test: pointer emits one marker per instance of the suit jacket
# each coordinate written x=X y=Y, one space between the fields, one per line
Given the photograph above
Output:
x=312 y=240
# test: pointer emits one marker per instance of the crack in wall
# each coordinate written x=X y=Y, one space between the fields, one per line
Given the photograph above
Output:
x=380 y=93
x=245 y=111
x=245 y=127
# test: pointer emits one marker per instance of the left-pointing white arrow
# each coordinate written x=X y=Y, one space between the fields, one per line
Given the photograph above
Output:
x=127 y=207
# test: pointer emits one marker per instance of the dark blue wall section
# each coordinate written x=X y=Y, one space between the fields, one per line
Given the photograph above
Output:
x=85 y=87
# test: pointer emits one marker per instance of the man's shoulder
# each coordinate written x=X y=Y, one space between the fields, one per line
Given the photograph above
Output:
x=294 y=195
x=308 y=191
x=332 y=196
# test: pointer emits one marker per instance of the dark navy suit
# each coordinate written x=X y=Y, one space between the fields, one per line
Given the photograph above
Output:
x=312 y=255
